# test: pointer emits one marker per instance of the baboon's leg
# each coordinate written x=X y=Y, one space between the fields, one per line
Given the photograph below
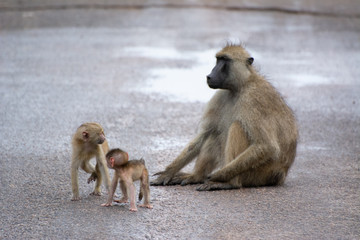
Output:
x=265 y=175
x=97 y=190
x=236 y=143
x=206 y=162
x=144 y=185
x=75 y=164
x=124 y=198
x=254 y=158
x=87 y=167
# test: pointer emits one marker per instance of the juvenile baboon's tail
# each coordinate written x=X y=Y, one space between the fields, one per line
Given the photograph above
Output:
x=141 y=192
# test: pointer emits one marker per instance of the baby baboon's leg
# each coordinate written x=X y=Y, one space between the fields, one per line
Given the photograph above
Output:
x=124 y=198
x=131 y=192
x=144 y=185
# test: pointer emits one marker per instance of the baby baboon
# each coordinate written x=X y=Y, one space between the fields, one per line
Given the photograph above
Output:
x=88 y=142
x=247 y=131
x=128 y=172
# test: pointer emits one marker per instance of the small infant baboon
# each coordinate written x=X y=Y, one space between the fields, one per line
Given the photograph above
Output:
x=89 y=141
x=248 y=134
x=128 y=172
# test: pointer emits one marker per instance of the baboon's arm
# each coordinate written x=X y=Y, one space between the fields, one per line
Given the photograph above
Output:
x=75 y=164
x=253 y=157
x=185 y=157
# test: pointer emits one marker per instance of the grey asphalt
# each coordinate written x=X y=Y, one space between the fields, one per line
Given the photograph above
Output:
x=139 y=69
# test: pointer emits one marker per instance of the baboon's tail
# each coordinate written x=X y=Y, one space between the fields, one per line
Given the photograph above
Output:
x=141 y=192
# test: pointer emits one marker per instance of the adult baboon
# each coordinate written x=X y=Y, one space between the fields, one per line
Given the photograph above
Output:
x=247 y=131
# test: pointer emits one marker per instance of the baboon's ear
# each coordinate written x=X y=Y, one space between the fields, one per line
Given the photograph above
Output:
x=85 y=136
x=250 y=60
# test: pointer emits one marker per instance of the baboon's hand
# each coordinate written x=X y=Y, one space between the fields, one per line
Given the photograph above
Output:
x=212 y=186
x=217 y=177
x=92 y=178
x=164 y=178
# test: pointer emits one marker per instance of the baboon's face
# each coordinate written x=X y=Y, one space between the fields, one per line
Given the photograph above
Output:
x=101 y=138
x=232 y=68
x=93 y=133
x=218 y=76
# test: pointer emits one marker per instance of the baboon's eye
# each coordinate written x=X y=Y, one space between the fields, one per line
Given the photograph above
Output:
x=223 y=58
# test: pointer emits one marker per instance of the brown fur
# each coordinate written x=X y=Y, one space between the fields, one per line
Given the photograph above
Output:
x=121 y=157
x=247 y=131
x=128 y=172
x=88 y=142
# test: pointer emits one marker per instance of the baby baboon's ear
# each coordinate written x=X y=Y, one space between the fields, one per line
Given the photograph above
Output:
x=250 y=60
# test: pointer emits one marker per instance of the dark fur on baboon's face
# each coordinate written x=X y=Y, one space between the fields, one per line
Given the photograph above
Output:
x=219 y=74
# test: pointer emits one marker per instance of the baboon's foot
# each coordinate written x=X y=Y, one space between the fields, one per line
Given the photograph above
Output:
x=146 y=206
x=122 y=200
x=213 y=186
x=95 y=193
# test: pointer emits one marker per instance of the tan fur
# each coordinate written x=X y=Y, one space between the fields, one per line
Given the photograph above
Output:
x=247 y=131
x=88 y=142
x=128 y=172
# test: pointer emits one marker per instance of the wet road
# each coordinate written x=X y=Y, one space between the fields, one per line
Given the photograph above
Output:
x=140 y=72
